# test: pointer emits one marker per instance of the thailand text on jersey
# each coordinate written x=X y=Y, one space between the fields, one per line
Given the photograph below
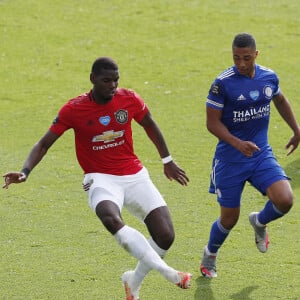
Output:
x=245 y=105
x=103 y=134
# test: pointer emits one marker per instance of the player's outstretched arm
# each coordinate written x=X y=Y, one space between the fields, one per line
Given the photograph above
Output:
x=35 y=156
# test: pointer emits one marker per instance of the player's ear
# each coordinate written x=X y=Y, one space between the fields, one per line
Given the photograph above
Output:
x=92 y=78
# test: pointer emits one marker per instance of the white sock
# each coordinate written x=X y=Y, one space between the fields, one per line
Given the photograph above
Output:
x=161 y=252
x=142 y=269
x=137 y=245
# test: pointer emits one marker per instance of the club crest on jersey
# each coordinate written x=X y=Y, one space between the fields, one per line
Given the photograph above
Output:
x=108 y=136
x=254 y=95
x=121 y=116
x=104 y=120
x=268 y=92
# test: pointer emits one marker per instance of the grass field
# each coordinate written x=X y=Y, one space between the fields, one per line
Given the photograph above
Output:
x=51 y=244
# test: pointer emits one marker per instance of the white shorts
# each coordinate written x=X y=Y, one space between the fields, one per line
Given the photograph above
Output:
x=136 y=192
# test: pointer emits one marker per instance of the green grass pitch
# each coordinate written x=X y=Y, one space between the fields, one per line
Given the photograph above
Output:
x=169 y=51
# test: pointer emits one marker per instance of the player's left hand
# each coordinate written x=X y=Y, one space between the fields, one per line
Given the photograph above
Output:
x=293 y=144
x=13 y=177
x=172 y=171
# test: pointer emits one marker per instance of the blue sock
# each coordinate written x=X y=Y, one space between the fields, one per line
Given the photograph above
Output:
x=218 y=234
x=269 y=213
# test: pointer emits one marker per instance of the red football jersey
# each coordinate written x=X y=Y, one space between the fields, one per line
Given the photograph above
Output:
x=103 y=133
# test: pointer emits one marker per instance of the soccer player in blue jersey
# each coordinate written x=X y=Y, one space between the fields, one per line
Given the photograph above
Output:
x=238 y=113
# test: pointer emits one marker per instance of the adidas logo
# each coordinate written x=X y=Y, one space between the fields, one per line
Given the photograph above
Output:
x=241 y=97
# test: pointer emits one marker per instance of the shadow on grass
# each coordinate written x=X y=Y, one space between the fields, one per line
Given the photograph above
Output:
x=244 y=293
x=205 y=292
x=292 y=170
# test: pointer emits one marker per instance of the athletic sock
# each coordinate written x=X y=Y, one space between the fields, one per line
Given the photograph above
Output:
x=137 y=245
x=142 y=269
x=218 y=234
x=268 y=213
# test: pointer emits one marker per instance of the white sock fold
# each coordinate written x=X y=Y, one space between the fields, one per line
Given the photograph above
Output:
x=137 y=245
x=142 y=269
x=161 y=252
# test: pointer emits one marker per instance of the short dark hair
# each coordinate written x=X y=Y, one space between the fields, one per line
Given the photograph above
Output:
x=103 y=63
x=244 y=40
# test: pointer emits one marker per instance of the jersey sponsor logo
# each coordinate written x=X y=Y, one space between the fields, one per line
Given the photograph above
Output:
x=251 y=114
x=121 y=116
x=107 y=146
x=104 y=120
x=268 y=92
x=254 y=95
x=108 y=136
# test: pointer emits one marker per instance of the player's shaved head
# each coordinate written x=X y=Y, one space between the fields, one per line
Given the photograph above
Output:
x=103 y=63
x=244 y=40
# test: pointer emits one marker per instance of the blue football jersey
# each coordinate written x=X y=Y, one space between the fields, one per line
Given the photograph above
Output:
x=245 y=105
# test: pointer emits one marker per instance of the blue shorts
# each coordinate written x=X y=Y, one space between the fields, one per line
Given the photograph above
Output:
x=228 y=178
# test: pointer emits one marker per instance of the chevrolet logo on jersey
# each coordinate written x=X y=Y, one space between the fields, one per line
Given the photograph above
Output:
x=108 y=136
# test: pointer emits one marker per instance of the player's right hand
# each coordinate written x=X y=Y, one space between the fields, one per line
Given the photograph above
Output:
x=13 y=177
x=248 y=148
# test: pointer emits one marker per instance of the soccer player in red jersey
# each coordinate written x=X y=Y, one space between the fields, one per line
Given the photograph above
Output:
x=114 y=177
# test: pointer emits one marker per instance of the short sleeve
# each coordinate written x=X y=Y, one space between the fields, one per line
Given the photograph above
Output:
x=62 y=122
x=141 y=108
x=215 y=98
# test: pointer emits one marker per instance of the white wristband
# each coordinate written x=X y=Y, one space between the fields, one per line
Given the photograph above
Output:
x=167 y=159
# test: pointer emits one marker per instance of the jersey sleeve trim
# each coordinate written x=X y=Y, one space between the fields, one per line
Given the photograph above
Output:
x=214 y=104
x=277 y=92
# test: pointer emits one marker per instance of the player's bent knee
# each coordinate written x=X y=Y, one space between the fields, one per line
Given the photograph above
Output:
x=285 y=204
x=112 y=223
x=164 y=239
x=288 y=204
